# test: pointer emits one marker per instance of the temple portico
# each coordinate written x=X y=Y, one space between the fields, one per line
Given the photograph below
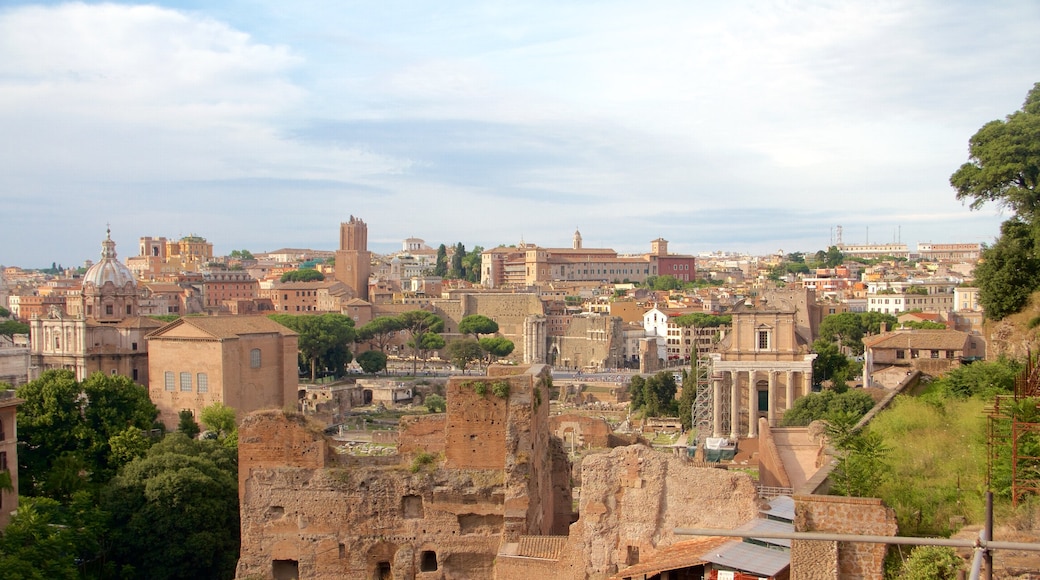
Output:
x=748 y=391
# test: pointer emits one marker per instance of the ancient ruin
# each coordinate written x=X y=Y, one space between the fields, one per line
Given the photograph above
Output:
x=481 y=491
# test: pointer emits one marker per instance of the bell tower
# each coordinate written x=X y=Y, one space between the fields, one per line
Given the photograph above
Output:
x=353 y=260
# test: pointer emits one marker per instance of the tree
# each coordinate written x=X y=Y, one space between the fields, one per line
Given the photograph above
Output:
x=4 y=313
x=323 y=339
x=304 y=275
x=477 y=324
x=826 y=406
x=13 y=327
x=830 y=363
x=1004 y=162
x=372 y=361
x=1009 y=270
x=186 y=424
x=441 y=266
x=846 y=329
x=218 y=417
x=380 y=330
x=1004 y=167
x=464 y=351
x=47 y=540
x=496 y=347
x=67 y=428
x=428 y=342
x=655 y=395
x=687 y=398
x=455 y=268
x=861 y=467
x=418 y=323
x=241 y=255
x=184 y=491
x=471 y=264
x=435 y=403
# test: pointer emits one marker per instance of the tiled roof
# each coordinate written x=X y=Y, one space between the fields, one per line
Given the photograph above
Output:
x=679 y=555
x=228 y=326
x=546 y=547
x=918 y=339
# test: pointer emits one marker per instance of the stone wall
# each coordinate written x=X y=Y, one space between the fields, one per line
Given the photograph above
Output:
x=422 y=433
x=635 y=497
x=843 y=515
x=307 y=512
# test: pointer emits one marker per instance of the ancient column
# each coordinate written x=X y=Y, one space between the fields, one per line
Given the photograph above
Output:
x=771 y=398
x=790 y=390
x=752 y=403
x=734 y=406
x=716 y=405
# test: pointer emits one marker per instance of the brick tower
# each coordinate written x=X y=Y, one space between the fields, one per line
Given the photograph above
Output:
x=353 y=258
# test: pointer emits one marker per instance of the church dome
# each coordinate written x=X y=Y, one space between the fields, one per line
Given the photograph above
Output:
x=109 y=269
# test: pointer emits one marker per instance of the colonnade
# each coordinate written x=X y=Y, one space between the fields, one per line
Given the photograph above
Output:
x=797 y=383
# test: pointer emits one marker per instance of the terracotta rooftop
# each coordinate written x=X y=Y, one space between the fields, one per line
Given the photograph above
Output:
x=227 y=326
x=679 y=555
x=918 y=339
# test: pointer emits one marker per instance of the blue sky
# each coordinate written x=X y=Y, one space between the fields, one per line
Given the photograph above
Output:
x=737 y=126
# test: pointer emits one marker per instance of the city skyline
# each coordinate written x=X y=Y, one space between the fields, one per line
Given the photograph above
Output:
x=259 y=125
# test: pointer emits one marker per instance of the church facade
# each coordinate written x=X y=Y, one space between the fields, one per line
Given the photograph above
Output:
x=100 y=328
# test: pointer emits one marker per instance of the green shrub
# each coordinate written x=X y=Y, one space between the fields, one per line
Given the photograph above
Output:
x=480 y=388
x=500 y=389
x=422 y=460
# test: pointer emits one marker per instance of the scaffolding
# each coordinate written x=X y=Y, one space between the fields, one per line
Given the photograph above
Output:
x=704 y=403
x=1016 y=419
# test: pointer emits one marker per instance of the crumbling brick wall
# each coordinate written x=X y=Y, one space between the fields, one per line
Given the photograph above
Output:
x=843 y=515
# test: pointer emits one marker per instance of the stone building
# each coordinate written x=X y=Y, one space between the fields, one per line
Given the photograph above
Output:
x=763 y=364
x=102 y=329
x=9 y=453
x=246 y=362
x=530 y=265
x=591 y=341
x=353 y=260
x=14 y=359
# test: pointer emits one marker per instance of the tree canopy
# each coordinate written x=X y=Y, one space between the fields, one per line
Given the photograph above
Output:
x=186 y=492
x=67 y=428
x=380 y=331
x=477 y=324
x=847 y=328
x=303 y=275
x=418 y=323
x=372 y=361
x=324 y=340
x=1003 y=167
x=654 y=395
x=13 y=327
x=463 y=351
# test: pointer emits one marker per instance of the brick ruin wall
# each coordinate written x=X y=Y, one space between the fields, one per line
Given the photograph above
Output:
x=843 y=515
x=309 y=512
x=634 y=497
x=353 y=518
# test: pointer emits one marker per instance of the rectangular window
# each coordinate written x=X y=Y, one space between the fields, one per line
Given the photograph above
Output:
x=169 y=381
x=203 y=382
x=763 y=340
x=935 y=354
x=254 y=358
x=186 y=382
x=900 y=354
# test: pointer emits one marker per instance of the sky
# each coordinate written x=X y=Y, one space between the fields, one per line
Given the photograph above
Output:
x=739 y=126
